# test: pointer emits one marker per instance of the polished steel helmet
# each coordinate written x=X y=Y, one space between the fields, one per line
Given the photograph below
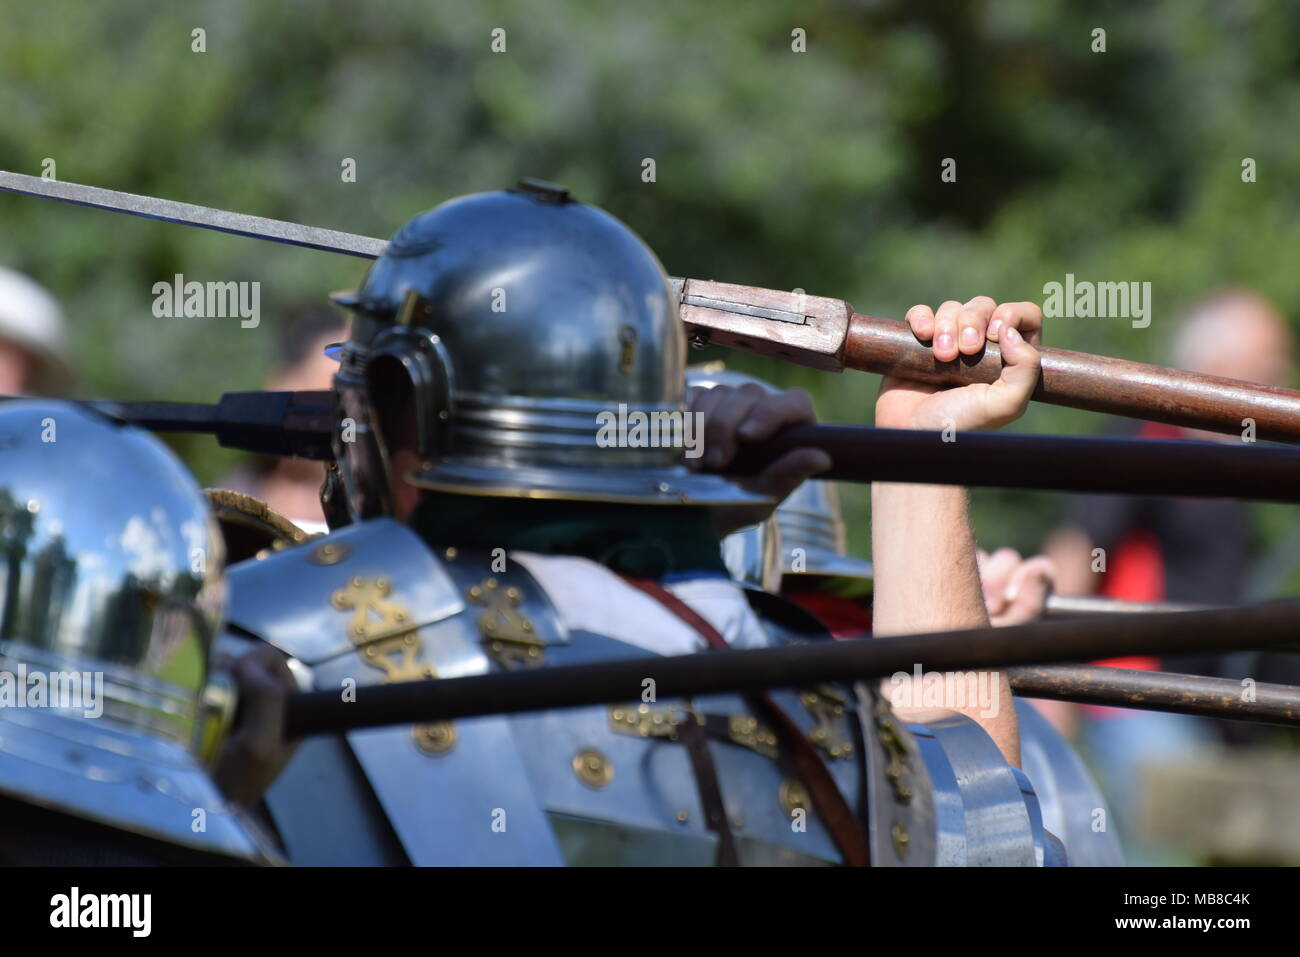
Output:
x=814 y=544
x=541 y=344
x=110 y=592
x=804 y=539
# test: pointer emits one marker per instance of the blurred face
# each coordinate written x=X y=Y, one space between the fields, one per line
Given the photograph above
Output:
x=406 y=496
x=312 y=373
x=395 y=412
x=1245 y=341
x=16 y=368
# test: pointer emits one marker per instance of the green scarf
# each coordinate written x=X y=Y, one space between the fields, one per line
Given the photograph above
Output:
x=650 y=541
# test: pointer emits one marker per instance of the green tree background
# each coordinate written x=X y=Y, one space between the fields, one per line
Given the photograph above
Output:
x=817 y=170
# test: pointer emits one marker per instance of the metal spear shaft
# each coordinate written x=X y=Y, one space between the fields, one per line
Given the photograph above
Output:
x=1159 y=691
x=1270 y=625
x=300 y=423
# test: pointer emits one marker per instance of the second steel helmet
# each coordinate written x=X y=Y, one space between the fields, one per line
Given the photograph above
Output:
x=110 y=591
x=803 y=539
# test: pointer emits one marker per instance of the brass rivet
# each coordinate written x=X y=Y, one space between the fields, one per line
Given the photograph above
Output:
x=328 y=553
x=682 y=817
x=901 y=839
x=435 y=739
x=592 y=768
x=450 y=554
x=793 y=796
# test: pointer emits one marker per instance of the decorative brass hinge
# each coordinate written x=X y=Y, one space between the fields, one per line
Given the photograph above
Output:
x=644 y=721
x=831 y=732
x=382 y=632
x=747 y=732
x=891 y=738
x=510 y=637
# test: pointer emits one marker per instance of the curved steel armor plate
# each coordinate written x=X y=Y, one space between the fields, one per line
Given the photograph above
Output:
x=367 y=604
x=597 y=785
x=143 y=785
x=986 y=811
x=1073 y=807
x=288 y=598
x=650 y=786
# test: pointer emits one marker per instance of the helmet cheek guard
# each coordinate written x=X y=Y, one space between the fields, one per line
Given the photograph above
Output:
x=420 y=357
x=398 y=391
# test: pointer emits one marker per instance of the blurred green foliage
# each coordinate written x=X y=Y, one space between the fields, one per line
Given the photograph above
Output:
x=817 y=170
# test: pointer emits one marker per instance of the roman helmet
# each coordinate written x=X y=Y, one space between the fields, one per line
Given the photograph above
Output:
x=536 y=335
x=814 y=545
x=803 y=543
x=110 y=593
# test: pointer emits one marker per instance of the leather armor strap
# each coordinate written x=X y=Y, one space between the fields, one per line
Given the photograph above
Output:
x=844 y=827
x=710 y=790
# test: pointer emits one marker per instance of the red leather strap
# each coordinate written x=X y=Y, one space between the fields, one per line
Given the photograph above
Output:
x=844 y=827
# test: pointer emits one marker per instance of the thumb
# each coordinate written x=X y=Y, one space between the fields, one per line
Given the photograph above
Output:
x=1007 y=398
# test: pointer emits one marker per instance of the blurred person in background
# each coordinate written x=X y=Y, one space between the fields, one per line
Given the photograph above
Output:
x=1147 y=548
x=33 y=338
x=291 y=486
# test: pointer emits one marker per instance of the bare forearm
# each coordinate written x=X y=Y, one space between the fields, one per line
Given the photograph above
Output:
x=924 y=556
x=926 y=579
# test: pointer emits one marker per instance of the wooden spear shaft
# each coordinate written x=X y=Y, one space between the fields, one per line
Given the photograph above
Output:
x=1095 y=383
x=827 y=334
x=1159 y=691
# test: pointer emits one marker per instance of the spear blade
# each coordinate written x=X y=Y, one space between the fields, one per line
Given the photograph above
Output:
x=188 y=214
